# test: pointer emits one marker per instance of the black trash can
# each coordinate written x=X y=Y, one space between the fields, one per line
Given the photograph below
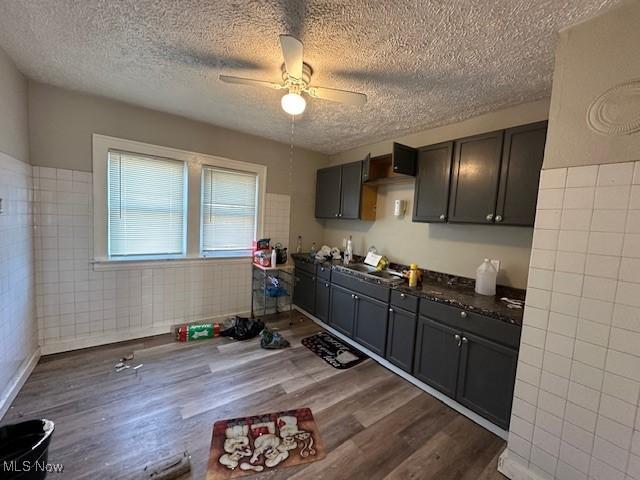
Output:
x=24 y=449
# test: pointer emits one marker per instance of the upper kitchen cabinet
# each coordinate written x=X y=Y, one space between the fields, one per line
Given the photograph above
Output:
x=350 y=190
x=340 y=193
x=397 y=166
x=522 y=157
x=328 y=187
x=474 y=178
x=431 y=195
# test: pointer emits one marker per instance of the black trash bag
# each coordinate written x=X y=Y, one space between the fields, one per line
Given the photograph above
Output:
x=26 y=444
x=243 y=329
x=272 y=340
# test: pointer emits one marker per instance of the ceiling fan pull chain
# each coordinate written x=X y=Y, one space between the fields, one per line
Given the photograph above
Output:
x=293 y=123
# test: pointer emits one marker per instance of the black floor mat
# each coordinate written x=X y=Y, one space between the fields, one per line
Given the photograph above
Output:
x=334 y=351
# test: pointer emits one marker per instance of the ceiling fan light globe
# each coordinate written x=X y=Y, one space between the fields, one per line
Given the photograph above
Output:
x=293 y=103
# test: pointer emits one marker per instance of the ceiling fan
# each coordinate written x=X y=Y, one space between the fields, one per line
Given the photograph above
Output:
x=296 y=76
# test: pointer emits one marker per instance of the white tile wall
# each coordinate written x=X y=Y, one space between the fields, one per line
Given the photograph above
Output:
x=575 y=413
x=276 y=220
x=77 y=306
x=18 y=337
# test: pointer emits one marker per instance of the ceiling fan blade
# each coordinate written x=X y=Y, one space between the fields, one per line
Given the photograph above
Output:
x=335 y=95
x=292 y=54
x=250 y=81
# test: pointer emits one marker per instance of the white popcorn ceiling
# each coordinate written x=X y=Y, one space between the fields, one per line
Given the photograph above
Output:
x=421 y=63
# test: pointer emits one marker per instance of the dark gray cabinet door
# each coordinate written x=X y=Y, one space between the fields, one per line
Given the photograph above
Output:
x=328 y=192
x=371 y=323
x=401 y=338
x=437 y=355
x=351 y=189
x=323 y=291
x=521 y=164
x=486 y=379
x=342 y=310
x=474 y=178
x=404 y=159
x=304 y=290
x=431 y=195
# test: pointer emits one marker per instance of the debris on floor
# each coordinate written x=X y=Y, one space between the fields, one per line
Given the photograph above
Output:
x=199 y=331
x=126 y=358
x=122 y=363
x=272 y=340
x=168 y=469
x=243 y=328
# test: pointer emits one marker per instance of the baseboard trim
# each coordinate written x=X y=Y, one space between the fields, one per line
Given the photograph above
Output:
x=23 y=373
x=134 y=334
x=423 y=386
x=513 y=469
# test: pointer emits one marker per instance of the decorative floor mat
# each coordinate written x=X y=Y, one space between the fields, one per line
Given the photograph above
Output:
x=244 y=446
x=333 y=351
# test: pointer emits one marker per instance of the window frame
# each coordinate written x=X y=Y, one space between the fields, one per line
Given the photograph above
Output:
x=194 y=163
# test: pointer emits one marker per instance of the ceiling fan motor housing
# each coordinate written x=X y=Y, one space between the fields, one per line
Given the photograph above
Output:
x=289 y=81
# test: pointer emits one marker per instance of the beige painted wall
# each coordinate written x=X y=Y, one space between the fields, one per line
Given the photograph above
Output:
x=456 y=249
x=591 y=58
x=14 y=139
x=62 y=123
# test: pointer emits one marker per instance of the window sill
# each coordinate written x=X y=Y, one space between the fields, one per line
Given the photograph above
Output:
x=105 y=265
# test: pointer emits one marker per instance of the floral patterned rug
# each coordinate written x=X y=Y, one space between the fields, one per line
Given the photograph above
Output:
x=245 y=446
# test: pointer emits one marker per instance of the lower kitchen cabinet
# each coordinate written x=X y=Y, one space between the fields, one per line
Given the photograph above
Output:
x=437 y=355
x=486 y=378
x=342 y=310
x=323 y=291
x=304 y=290
x=371 y=323
x=401 y=338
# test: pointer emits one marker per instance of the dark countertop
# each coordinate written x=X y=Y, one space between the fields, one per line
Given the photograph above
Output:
x=444 y=288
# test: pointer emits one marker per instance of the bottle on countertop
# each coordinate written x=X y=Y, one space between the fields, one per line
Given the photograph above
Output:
x=486 y=276
x=274 y=257
x=313 y=251
x=299 y=245
x=413 y=275
x=348 y=253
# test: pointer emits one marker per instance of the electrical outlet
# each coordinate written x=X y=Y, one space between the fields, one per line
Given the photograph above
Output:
x=496 y=264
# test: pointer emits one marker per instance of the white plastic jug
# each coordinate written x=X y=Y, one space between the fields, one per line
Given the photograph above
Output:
x=486 y=275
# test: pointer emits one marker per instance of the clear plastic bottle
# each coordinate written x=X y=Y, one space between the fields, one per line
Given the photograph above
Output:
x=313 y=251
x=299 y=245
x=348 y=253
x=486 y=276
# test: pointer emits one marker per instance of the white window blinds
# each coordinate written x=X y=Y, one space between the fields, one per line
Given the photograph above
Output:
x=229 y=211
x=146 y=205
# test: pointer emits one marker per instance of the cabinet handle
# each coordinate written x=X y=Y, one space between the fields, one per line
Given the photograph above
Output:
x=464 y=340
x=340 y=215
x=322 y=269
x=490 y=217
x=498 y=218
x=357 y=297
x=337 y=214
x=443 y=217
x=326 y=285
x=457 y=338
x=391 y=310
x=353 y=296
x=463 y=314
x=402 y=295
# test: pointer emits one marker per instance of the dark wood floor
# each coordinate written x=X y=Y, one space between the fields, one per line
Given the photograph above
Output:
x=374 y=424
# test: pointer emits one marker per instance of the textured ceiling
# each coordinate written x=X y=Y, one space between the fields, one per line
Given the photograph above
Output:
x=421 y=63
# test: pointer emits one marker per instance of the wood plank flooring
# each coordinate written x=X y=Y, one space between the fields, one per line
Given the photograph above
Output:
x=375 y=425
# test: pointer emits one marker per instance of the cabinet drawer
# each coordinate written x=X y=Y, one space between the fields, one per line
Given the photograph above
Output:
x=467 y=321
x=404 y=300
x=306 y=266
x=323 y=272
x=373 y=290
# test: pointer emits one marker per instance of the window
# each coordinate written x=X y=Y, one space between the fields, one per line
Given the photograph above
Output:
x=154 y=203
x=146 y=205
x=229 y=211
